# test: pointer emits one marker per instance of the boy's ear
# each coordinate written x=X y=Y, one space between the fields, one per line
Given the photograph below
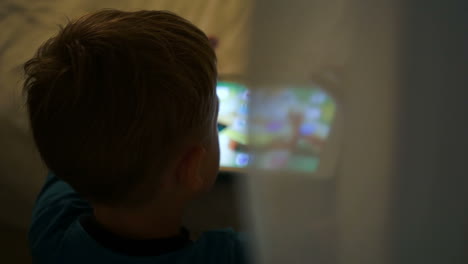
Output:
x=190 y=169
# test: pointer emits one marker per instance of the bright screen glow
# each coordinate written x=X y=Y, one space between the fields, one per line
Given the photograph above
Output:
x=292 y=126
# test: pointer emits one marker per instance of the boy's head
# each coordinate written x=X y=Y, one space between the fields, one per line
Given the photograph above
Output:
x=123 y=104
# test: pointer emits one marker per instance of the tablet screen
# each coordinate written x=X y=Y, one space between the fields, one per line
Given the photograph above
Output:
x=289 y=127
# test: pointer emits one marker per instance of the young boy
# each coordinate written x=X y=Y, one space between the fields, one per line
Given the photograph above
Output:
x=123 y=111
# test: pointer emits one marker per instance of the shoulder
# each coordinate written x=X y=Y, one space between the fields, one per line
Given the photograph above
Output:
x=225 y=243
x=56 y=208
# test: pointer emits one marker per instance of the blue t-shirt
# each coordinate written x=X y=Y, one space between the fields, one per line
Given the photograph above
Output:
x=57 y=236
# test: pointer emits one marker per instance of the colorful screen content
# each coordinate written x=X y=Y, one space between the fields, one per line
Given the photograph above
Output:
x=232 y=124
x=289 y=128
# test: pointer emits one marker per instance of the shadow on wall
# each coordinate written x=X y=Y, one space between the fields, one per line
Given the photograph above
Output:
x=22 y=174
x=13 y=245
